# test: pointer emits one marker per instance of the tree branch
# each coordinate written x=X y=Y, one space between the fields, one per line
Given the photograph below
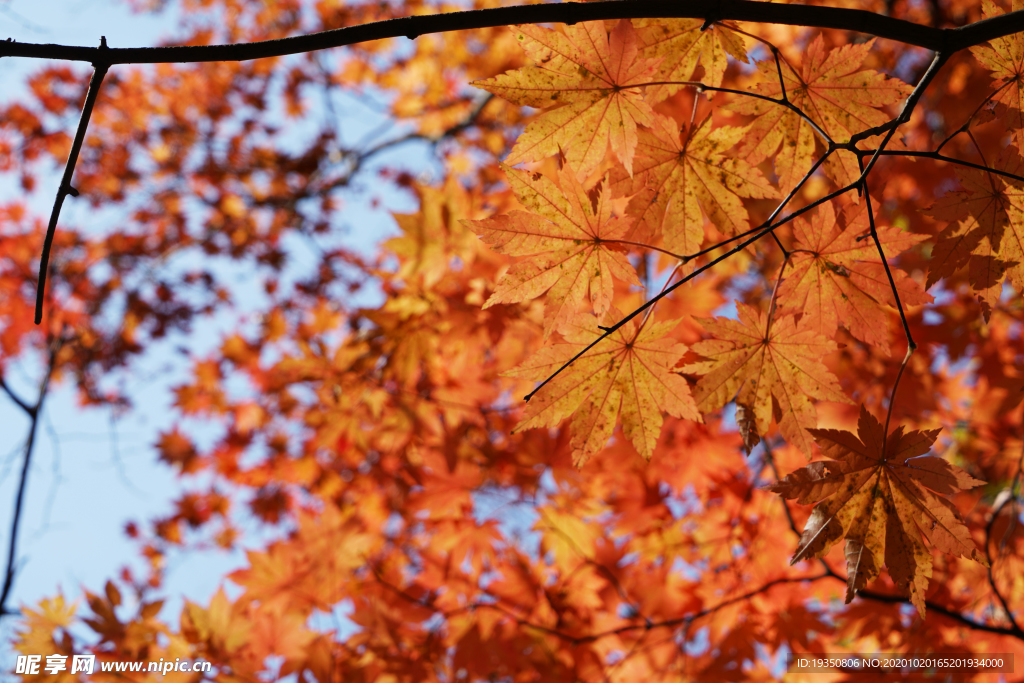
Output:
x=65 y=182
x=17 y=399
x=892 y=282
x=988 y=543
x=1012 y=631
x=862 y=21
x=19 y=501
x=942 y=157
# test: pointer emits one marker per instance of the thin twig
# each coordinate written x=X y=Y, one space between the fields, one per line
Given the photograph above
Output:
x=1011 y=498
x=888 y=272
x=938 y=61
x=19 y=500
x=593 y=637
x=744 y=93
x=932 y=607
x=1013 y=630
x=15 y=398
x=991 y=560
x=966 y=124
x=65 y=189
x=942 y=157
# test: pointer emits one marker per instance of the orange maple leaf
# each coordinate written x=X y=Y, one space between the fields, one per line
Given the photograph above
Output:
x=596 y=78
x=677 y=175
x=630 y=373
x=571 y=239
x=1004 y=57
x=875 y=495
x=836 y=276
x=683 y=44
x=834 y=93
x=764 y=358
x=985 y=231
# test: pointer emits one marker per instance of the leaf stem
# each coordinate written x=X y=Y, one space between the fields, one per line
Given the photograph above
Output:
x=775 y=294
x=648 y=246
x=650 y=310
x=892 y=395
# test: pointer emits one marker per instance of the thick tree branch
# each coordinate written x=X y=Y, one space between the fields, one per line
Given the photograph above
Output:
x=862 y=21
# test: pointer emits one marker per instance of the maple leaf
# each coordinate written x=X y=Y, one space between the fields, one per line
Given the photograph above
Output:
x=985 y=231
x=571 y=240
x=1004 y=57
x=834 y=93
x=629 y=372
x=765 y=359
x=682 y=44
x=835 y=275
x=596 y=80
x=677 y=175
x=881 y=496
x=224 y=627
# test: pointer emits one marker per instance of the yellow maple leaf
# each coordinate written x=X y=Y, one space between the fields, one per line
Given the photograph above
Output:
x=680 y=172
x=595 y=79
x=833 y=91
x=629 y=374
x=571 y=240
x=835 y=275
x=683 y=44
x=765 y=359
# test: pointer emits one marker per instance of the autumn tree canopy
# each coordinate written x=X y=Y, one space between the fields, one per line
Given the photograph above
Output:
x=706 y=350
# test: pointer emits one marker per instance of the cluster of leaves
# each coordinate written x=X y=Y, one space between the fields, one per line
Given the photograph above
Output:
x=633 y=178
x=709 y=243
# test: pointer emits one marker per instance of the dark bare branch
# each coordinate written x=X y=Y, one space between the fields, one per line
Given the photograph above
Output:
x=19 y=501
x=65 y=188
x=861 y=21
x=18 y=401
